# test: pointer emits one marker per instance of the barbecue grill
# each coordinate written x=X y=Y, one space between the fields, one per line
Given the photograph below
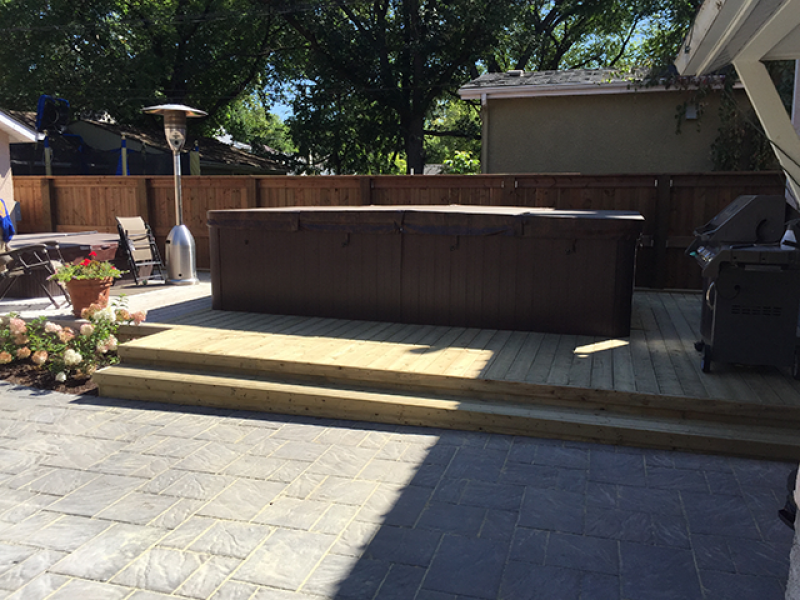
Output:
x=751 y=285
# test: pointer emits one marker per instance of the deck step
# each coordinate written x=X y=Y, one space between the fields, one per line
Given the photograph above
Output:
x=167 y=350
x=368 y=403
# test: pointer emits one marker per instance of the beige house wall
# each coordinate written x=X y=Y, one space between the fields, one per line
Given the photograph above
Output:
x=632 y=132
x=6 y=184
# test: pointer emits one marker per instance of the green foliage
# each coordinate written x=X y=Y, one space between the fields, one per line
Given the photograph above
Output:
x=61 y=350
x=121 y=55
x=88 y=268
x=454 y=126
x=249 y=121
x=462 y=163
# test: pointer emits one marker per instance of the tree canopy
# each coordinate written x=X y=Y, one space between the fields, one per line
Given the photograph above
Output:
x=369 y=80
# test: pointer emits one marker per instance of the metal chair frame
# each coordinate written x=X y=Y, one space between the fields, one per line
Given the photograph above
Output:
x=141 y=250
x=28 y=261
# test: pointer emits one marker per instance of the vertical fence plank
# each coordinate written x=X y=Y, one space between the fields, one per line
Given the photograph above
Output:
x=671 y=213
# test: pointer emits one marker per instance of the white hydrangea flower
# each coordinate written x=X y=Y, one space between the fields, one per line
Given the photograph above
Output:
x=61 y=377
x=105 y=314
x=72 y=357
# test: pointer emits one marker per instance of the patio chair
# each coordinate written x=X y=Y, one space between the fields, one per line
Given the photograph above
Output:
x=36 y=263
x=141 y=250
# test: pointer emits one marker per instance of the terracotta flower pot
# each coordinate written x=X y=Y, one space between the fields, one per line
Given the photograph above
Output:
x=85 y=292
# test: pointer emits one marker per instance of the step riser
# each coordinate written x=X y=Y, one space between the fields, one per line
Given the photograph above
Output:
x=445 y=415
x=488 y=390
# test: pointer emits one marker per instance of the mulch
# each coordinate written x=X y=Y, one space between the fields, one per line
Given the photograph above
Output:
x=24 y=373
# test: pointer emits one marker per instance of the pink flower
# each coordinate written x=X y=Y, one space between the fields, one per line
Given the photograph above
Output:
x=66 y=335
x=5 y=358
x=23 y=352
x=39 y=357
x=21 y=340
x=17 y=326
x=139 y=316
x=87 y=329
x=51 y=327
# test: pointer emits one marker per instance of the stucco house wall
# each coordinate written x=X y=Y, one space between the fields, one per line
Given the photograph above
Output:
x=619 y=133
x=592 y=122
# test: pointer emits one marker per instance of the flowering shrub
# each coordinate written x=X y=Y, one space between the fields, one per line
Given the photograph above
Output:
x=61 y=350
x=88 y=268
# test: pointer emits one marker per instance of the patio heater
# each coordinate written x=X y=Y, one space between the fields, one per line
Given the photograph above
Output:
x=180 y=250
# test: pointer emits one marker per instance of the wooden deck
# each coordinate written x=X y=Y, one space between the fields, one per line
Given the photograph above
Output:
x=647 y=389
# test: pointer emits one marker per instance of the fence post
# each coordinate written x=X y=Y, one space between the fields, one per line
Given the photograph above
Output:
x=366 y=191
x=48 y=206
x=661 y=232
x=251 y=191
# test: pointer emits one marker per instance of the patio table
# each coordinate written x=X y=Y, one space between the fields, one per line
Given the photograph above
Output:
x=72 y=246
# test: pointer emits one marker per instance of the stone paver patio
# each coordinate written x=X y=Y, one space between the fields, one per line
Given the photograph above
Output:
x=109 y=499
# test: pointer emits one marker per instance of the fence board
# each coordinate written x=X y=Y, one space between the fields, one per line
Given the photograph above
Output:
x=74 y=203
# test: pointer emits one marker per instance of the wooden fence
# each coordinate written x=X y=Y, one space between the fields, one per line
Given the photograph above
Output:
x=672 y=205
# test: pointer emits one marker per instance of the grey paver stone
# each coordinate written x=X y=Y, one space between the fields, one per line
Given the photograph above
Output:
x=336 y=580
x=231 y=538
x=176 y=514
x=214 y=457
x=73 y=452
x=40 y=587
x=677 y=479
x=582 y=552
x=611 y=467
x=618 y=524
x=335 y=519
x=401 y=582
x=60 y=482
x=304 y=485
x=345 y=461
x=173 y=447
x=67 y=532
x=730 y=586
x=451 y=518
x=103 y=556
x=286 y=559
x=389 y=471
x=223 y=432
x=11 y=555
x=558 y=456
x=208 y=577
x=355 y=538
x=188 y=484
x=675 y=578
x=552 y=509
x=528 y=582
x=189 y=531
x=96 y=495
x=528 y=545
x=539 y=476
x=719 y=515
x=242 y=500
x=656 y=501
x=137 y=507
x=292 y=513
x=160 y=570
x=89 y=590
x=670 y=530
x=403 y=546
x=491 y=495
x=599 y=586
x=343 y=491
x=254 y=466
x=236 y=590
x=30 y=568
x=476 y=464
x=499 y=524
x=472 y=567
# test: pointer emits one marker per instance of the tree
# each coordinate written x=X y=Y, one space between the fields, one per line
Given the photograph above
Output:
x=119 y=55
x=398 y=60
x=388 y=59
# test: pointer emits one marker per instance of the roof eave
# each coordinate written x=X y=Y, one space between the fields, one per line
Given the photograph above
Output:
x=714 y=26
x=18 y=133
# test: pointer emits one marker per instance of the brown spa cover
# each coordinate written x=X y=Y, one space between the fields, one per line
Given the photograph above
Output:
x=502 y=267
